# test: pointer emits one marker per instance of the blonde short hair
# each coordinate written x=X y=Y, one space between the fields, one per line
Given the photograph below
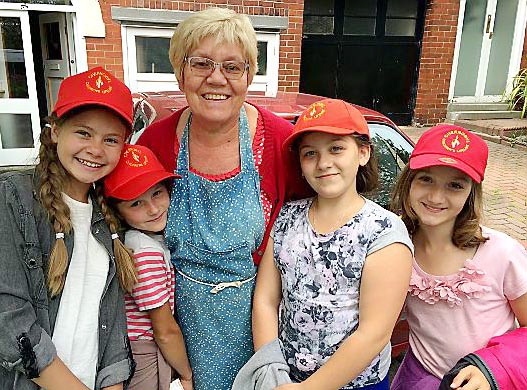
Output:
x=225 y=25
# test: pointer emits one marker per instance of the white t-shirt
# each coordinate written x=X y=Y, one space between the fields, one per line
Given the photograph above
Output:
x=77 y=326
x=451 y=316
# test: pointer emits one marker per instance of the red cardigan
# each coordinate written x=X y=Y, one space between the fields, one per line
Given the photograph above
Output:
x=279 y=171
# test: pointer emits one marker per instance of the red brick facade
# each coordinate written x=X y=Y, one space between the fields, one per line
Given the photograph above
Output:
x=108 y=51
x=436 y=55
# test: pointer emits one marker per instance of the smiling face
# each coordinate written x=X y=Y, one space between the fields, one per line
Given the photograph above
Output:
x=147 y=212
x=214 y=99
x=330 y=163
x=438 y=194
x=89 y=145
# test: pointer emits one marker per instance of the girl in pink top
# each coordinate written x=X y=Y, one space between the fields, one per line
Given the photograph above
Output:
x=469 y=282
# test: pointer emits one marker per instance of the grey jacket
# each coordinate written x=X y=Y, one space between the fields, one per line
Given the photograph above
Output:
x=265 y=370
x=27 y=313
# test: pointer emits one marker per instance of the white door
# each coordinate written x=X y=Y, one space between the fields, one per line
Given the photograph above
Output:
x=19 y=119
x=55 y=53
x=488 y=49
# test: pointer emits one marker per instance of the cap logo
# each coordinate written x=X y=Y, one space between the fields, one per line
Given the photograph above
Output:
x=135 y=158
x=99 y=82
x=315 y=111
x=447 y=160
x=456 y=141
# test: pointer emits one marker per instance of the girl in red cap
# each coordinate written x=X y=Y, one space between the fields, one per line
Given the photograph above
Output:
x=64 y=268
x=469 y=282
x=334 y=276
x=138 y=189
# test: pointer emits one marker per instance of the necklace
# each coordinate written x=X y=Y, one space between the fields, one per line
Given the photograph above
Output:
x=324 y=227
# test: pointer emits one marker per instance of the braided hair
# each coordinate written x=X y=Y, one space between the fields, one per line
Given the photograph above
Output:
x=52 y=178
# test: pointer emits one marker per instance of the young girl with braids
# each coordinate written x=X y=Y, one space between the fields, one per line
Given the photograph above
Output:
x=63 y=266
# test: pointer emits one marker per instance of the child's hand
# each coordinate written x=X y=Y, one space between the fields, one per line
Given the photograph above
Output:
x=471 y=378
x=186 y=384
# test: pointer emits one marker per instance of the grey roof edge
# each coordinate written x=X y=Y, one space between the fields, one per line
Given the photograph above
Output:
x=146 y=16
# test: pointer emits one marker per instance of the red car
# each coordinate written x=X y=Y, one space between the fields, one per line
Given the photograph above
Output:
x=392 y=146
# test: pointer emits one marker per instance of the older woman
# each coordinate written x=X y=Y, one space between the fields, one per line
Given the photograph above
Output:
x=232 y=185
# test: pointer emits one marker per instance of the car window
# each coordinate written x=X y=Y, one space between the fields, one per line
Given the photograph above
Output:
x=393 y=151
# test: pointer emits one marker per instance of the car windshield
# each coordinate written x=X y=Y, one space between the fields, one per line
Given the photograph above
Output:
x=393 y=151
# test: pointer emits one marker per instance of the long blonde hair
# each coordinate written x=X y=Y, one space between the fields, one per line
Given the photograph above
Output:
x=52 y=176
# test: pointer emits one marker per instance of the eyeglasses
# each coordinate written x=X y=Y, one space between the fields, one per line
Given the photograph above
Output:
x=201 y=66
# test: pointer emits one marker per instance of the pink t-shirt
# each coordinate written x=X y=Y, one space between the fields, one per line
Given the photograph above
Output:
x=451 y=316
x=155 y=283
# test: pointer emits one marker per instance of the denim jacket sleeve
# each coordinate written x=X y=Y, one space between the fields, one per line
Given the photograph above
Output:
x=116 y=364
x=25 y=344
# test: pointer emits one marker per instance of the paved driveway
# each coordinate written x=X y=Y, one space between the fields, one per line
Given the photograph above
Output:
x=504 y=188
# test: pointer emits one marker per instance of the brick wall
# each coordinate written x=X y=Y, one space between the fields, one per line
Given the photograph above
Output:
x=436 y=61
x=107 y=51
x=524 y=53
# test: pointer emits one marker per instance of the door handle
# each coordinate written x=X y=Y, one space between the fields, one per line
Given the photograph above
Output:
x=489 y=19
x=487 y=28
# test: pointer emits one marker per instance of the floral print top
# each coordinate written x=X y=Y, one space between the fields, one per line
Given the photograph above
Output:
x=321 y=275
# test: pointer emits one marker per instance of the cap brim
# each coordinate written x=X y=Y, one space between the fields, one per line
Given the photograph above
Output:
x=430 y=160
x=135 y=187
x=68 y=107
x=288 y=143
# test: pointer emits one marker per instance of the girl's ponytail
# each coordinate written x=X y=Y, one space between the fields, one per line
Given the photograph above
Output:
x=126 y=271
x=52 y=176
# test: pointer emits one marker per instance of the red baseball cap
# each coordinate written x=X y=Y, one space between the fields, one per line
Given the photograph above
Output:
x=332 y=116
x=451 y=146
x=96 y=86
x=137 y=171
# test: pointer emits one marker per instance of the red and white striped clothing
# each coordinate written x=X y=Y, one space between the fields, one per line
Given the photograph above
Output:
x=155 y=282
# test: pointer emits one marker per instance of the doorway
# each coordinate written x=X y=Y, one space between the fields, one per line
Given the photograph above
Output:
x=365 y=52
x=485 y=61
x=55 y=51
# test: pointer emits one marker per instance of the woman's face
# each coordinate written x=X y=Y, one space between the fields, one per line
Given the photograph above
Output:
x=215 y=99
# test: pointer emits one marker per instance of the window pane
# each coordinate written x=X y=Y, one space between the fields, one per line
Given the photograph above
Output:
x=318 y=25
x=262 y=58
x=400 y=27
x=359 y=26
x=13 y=82
x=152 y=55
x=360 y=8
x=16 y=131
x=319 y=7
x=52 y=38
x=402 y=8
x=393 y=152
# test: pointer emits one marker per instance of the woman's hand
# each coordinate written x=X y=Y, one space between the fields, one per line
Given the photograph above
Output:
x=472 y=378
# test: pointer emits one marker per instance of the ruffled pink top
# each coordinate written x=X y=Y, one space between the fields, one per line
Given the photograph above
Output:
x=469 y=282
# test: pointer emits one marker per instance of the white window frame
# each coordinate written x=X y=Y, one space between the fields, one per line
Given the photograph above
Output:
x=155 y=82
x=22 y=106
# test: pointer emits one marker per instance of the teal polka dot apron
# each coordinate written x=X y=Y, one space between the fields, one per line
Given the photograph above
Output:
x=212 y=230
